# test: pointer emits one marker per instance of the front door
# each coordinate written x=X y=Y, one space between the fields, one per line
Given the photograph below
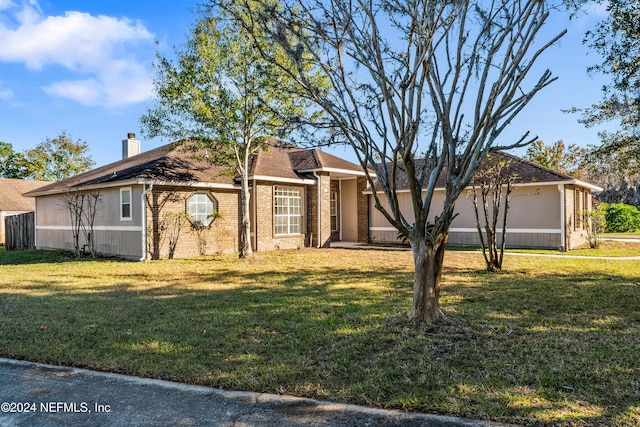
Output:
x=349 y=211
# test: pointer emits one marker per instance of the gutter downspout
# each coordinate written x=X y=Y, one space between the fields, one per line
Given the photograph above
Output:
x=563 y=226
x=143 y=204
x=318 y=208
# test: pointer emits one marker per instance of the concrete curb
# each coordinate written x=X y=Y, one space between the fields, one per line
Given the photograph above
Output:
x=35 y=394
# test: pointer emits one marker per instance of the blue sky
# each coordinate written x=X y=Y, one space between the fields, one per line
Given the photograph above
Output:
x=84 y=67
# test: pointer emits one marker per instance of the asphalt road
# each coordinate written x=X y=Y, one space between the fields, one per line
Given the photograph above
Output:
x=33 y=394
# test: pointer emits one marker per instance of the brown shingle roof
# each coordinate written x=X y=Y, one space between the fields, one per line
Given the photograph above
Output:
x=525 y=170
x=163 y=164
x=276 y=162
x=288 y=161
x=174 y=164
x=316 y=159
x=11 y=194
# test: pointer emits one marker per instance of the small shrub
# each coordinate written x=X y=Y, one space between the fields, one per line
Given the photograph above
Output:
x=622 y=218
x=596 y=221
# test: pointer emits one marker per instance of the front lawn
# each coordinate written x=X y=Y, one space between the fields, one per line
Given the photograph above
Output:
x=548 y=341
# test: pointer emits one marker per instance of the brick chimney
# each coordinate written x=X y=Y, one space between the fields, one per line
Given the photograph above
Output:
x=130 y=146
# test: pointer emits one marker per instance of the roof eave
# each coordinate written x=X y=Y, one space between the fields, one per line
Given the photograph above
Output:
x=135 y=181
x=587 y=185
x=334 y=170
x=304 y=181
x=525 y=184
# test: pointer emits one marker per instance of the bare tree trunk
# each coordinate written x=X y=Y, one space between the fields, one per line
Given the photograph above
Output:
x=428 y=259
x=245 y=221
x=504 y=223
x=93 y=200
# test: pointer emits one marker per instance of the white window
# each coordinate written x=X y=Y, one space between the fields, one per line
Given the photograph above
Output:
x=334 y=211
x=201 y=208
x=125 y=204
x=288 y=210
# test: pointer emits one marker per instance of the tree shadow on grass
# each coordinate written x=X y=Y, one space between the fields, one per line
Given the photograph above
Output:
x=555 y=348
x=38 y=256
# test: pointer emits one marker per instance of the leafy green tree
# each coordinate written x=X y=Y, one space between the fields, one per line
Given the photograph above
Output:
x=558 y=157
x=622 y=218
x=412 y=80
x=58 y=158
x=617 y=40
x=12 y=164
x=222 y=96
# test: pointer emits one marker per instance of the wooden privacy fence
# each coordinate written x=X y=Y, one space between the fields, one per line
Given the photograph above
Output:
x=20 y=232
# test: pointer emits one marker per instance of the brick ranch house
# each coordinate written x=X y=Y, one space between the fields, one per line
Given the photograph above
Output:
x=299 y=198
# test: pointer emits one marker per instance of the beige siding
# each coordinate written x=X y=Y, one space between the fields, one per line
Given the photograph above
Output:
x=529 y=208
x=533 y=221
x=112 y=235
x=52 y=210
x=112 y=243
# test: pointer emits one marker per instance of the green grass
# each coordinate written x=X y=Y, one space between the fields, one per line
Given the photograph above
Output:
x=548 y=341
x=611 y=249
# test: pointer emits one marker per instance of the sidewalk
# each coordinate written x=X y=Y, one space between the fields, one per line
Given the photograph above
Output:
x=33 y=394
x=354 y=245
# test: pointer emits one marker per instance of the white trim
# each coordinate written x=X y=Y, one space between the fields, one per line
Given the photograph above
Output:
x=87 y=187
x=475 y=230
x=337 y=214
x=513 y=230
x=526 y=184
x=288 y=215
x=35 y=222
x=562 y=217
x=287 y=180
x=95 y=227
x=587 y=185
x=343 y=178
x=143 y=202
x=130 y=217
x=319 y=214
x=194 y=184
x=335 y=170
x=137 y=181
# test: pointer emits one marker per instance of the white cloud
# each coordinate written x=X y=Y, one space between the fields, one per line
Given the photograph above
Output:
x=5 y=4
x=87 y=92
x=5 y=93
x=98 y=50
x=120 y=83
